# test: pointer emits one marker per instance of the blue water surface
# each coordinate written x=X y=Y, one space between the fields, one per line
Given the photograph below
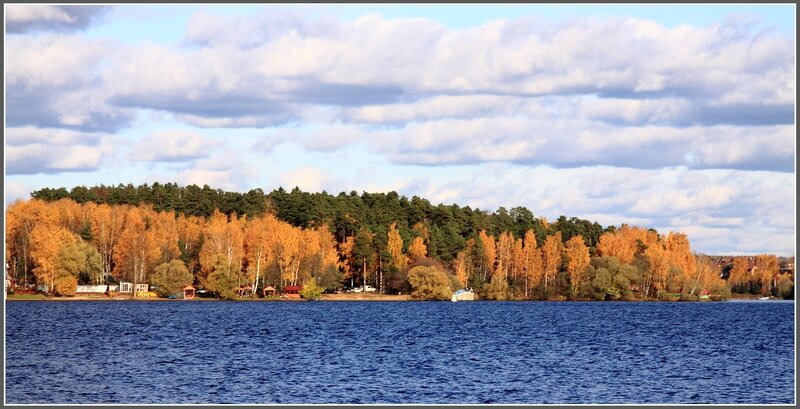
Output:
x=399 y=352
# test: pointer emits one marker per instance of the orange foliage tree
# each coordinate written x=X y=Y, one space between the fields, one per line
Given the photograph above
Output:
x=518 y=260
x=488 y=254
x=107 y=223
x=551 y=258
x=347 y=258
x=46 y=243
x=460 y=267
x=190 y=232
x=288 y=252
x=625 y=242
x=658 y=271
x=740 y=273
x=577 y=255
x=766 y=271
x=258 y=240
x=505 y=254
x=136 y=250
x=21 y=218
x=417 y=249
x=319 y=252
x=532 y=264
x=681 y=262
x=394 y=245
x=224 y=240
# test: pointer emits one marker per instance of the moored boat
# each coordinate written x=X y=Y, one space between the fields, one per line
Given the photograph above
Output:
x=463 y=295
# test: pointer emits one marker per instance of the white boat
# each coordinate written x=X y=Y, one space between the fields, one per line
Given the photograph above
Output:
x=463 y=295
x=763 y=298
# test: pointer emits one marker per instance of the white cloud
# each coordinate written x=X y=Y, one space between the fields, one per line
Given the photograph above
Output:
x=53 y=81
x=28 y=17
x=447 y=106
x=307 y=178
x=14 y=190
x=721 y=211
x=53 y=61
x=267 y=69
x=18 y=13
x=225 y=170
x=568 y=143
x=32 y=150
x=173 y=146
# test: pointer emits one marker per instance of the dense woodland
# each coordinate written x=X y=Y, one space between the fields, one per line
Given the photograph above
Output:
x=170 y=236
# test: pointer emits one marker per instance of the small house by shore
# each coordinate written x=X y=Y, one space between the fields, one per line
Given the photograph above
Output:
x=268 y=291
x=292 y=291
x=245 y=291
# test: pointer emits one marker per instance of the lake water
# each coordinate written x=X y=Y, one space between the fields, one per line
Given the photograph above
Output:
x=399 y=352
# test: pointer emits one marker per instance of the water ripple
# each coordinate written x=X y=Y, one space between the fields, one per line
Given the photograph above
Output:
x=354 y=353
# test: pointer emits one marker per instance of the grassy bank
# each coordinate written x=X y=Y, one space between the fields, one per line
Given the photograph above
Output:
x=12 y=297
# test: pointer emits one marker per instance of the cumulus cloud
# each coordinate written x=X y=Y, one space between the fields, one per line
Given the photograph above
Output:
x=173 y=146
x=29 y=17
x=14 y=190
x=224 y=170
x=205 y=28
x=32 y=150
x=307 y=178
x=567 y=143
x=720 y=210
x=264 y=70
x=583 y=76
x=54 y=81
x=447 y=106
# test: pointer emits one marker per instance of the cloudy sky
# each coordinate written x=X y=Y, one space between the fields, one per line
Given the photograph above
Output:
x=677 y=118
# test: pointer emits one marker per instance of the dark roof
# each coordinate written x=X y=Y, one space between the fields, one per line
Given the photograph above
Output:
x=289 y=288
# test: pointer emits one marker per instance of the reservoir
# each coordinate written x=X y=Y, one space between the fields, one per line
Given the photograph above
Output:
x=399 y=352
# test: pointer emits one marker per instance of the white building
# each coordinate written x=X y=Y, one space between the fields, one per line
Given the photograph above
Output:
x=126 y=287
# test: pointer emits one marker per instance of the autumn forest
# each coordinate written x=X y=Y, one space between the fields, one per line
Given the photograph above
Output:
x=219 y=241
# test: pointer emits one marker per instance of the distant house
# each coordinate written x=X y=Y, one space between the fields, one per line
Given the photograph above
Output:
x=245 y=291
x=11 y=283
x=724 y=264
x=126 y=287
x=91 y=289
x=188 y=292
x=292 y=291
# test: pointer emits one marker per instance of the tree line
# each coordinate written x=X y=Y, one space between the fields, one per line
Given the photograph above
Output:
x=219 y=241
x=345 y=214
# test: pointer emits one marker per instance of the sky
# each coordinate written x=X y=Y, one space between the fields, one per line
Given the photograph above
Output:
x=679 y=118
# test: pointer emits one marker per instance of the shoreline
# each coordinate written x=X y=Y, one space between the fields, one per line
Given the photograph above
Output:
x=324 y=297
x=388 y=298
x=329 y=297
